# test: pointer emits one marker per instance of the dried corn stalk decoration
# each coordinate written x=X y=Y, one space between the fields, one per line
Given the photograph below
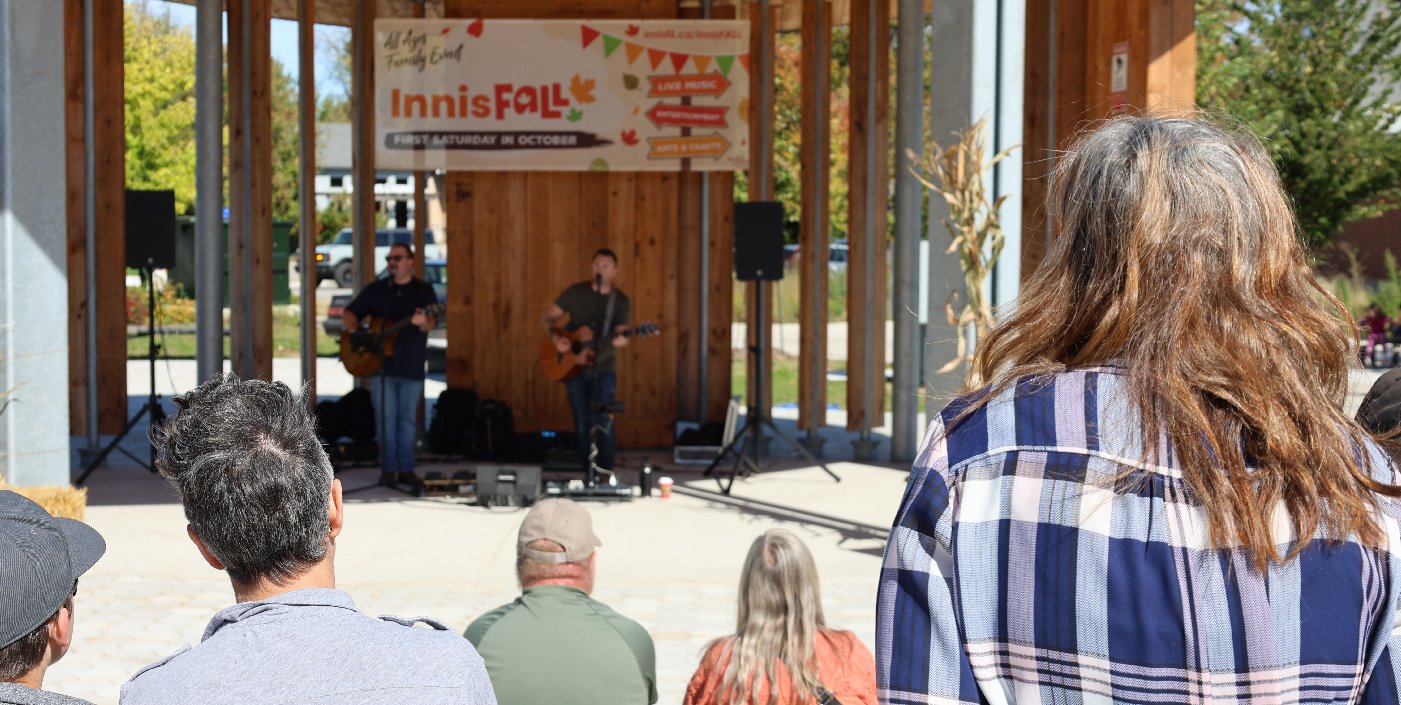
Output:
x=956 y=173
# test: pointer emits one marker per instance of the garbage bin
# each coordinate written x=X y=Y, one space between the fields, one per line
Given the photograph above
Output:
x=184 y=271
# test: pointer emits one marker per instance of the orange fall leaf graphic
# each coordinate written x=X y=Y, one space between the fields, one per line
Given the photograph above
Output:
x=581 y=90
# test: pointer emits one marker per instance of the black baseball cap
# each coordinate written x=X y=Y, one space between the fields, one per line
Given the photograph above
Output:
x=1380 y=412
x=41 y=558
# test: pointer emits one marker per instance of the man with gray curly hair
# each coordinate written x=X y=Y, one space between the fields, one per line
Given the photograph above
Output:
x=264 y=507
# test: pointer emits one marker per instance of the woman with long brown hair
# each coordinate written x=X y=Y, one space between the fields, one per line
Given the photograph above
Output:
x=1150 y=491
x=782 y=653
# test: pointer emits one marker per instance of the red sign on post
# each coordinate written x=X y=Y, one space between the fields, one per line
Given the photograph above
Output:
x=670 y=115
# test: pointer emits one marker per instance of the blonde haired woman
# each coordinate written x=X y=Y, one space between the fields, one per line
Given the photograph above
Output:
x=780 y=653
x=1151 y=492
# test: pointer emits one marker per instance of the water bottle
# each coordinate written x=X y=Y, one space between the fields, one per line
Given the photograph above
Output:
x=644 y=479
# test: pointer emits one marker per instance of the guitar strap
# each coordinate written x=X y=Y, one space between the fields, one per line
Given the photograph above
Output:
x=605 y=334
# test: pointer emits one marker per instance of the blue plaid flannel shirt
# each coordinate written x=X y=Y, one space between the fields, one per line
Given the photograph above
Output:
x=1023 y=567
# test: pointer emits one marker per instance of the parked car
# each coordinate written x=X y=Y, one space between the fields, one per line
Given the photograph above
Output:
x=837 y=255
x=435 y=272
x=336 y=260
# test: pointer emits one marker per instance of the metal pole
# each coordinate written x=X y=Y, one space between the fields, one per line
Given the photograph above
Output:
x=1011 y=92
x=90 y=224
x=875 y=369
x=306 y=196
x=765 y=114
x=209 y=189
x=815 y=182
x=909 y=128
x=703 y=340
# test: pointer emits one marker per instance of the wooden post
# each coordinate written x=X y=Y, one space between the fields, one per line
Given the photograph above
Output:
x=813 y=231
x=420 y=201
x=240 y=307
x=763 y=19
x=109 y=167
x=76 y=211
x=867 y=170
x=363 y=153
x=259 y=91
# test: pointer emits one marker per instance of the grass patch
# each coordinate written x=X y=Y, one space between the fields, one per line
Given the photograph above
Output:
x=286 y=341
x=785 y=383
x=787 y=294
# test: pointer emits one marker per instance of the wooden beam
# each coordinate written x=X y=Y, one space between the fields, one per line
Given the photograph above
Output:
x=420 y=201
x=240 y=353
x=363 y=154
x=76 y=211
x=260 y=197
x=109 y=166
x=868 y=180
x=761 y=186
x=813 y=233
x=1038 y=125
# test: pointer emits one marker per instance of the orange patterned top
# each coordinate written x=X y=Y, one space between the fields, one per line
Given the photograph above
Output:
x=844 y=666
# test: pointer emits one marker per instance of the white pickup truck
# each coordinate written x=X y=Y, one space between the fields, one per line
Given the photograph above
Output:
x=336 y=260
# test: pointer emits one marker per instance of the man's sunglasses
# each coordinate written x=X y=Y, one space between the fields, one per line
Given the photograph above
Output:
x=394 y=258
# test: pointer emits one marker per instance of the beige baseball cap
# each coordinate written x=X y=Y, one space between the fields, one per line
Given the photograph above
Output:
x=562 y=521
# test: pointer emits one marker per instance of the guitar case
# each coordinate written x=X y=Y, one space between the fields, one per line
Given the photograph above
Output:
x=450 y=431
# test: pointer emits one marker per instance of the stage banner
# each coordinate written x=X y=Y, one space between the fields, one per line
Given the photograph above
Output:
x=562 y=95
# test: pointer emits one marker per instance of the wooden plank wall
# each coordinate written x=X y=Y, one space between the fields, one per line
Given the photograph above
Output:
x=517 y=238
x=108 y=302
x=863 y=373
x=1080 y=44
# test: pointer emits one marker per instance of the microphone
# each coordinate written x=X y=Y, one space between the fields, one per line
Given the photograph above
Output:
x=598 y=281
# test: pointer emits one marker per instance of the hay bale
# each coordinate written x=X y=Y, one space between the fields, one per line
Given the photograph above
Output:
x=69 y=502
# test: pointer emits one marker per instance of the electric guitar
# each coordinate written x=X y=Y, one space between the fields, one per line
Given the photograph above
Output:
x=564 y=366
x=363 y=351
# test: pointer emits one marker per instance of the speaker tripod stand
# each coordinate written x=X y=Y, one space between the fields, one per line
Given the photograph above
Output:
x=750 y=436
x=152 y=406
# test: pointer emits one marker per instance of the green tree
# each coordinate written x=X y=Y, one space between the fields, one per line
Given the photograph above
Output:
x=160 y=104
x=1317 y=80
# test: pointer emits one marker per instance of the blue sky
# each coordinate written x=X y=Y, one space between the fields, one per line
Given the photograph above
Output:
x=284 y=38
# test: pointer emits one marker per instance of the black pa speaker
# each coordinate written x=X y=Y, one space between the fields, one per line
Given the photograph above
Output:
x=759 y=240
x=150 y=229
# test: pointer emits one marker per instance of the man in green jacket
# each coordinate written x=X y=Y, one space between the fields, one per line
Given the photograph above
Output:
x=554 y=643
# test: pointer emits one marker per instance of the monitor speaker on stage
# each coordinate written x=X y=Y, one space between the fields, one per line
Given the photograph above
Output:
x=758 y=240
x=150 y=229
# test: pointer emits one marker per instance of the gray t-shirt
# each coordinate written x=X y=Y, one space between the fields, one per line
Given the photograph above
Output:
x=313 y=646
x=16 y=694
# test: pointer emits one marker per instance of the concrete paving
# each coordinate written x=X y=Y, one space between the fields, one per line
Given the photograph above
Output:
x=673 y=564
x=670 y=564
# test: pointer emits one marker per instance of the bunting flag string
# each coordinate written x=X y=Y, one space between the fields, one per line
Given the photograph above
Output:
x=678 y=61
x=655 y=56
x=589 y=34
x=610 y=45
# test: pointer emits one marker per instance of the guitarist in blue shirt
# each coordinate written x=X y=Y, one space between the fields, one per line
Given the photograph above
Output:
x=398 y=386
x=597 y=305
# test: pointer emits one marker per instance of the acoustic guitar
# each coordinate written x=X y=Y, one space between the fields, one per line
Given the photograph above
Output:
x=564 y=366
x=363 y=351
